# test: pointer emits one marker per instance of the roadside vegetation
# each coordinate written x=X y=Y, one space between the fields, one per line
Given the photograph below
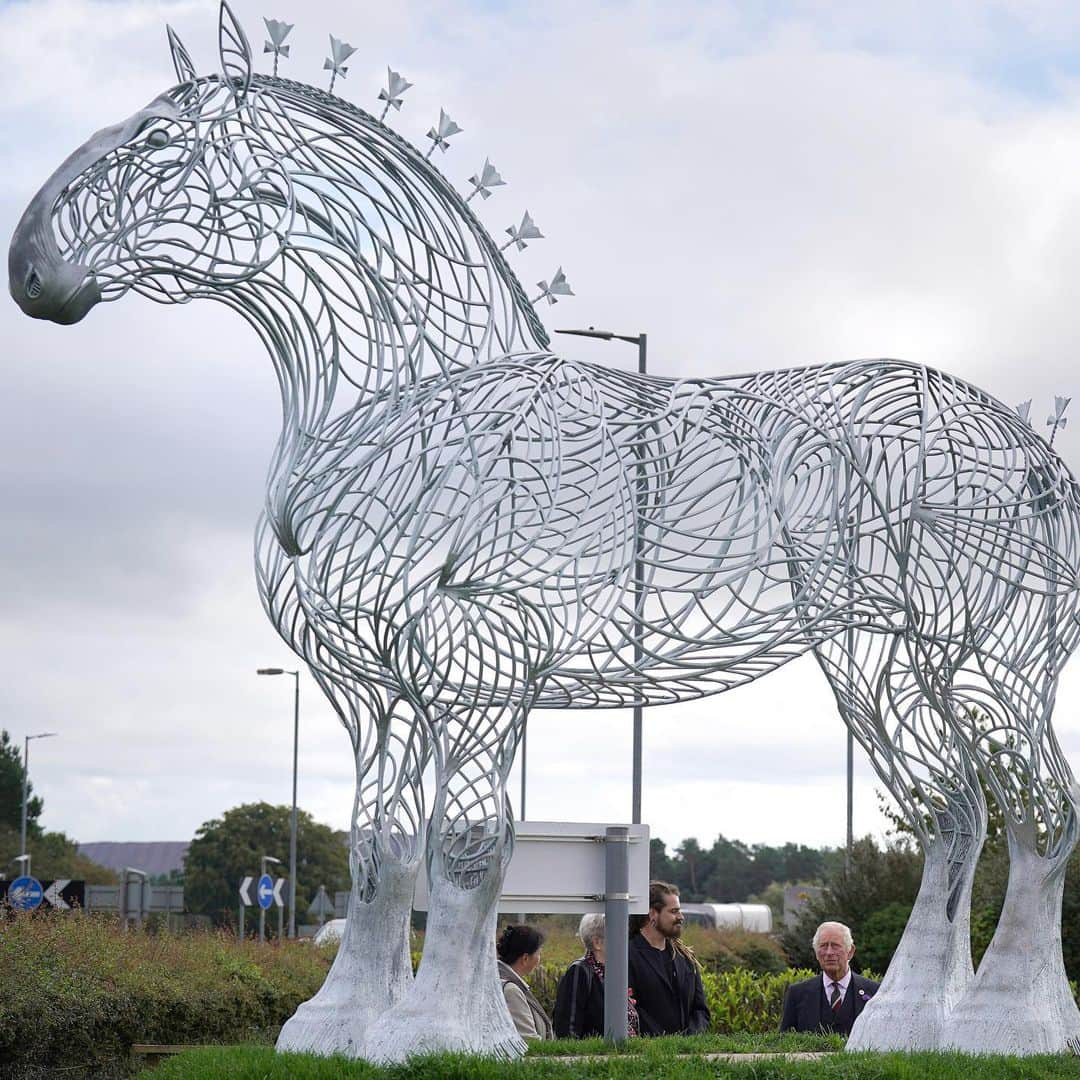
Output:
x=657 y=1062
x=80 y=991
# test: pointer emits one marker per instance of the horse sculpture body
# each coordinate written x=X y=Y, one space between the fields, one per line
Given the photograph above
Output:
x=461 y=526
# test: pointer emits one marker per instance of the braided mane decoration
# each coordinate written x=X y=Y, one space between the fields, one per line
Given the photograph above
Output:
x=461 y=526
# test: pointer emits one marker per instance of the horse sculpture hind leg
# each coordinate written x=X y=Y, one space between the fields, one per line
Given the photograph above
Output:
x=909 y=742
x=1020 y=1000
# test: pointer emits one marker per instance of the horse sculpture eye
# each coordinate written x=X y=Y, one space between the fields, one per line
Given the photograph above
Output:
x=158 y=138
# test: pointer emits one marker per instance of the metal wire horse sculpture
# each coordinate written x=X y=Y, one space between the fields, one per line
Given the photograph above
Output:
x=460 y=527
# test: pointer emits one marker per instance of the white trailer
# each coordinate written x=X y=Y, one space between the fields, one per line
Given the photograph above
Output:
x=754 y=917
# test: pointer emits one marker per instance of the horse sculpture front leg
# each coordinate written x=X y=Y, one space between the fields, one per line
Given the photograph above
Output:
x=372 y=970
x=470 y=665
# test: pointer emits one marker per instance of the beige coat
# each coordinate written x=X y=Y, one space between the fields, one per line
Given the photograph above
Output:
x=527 y=1013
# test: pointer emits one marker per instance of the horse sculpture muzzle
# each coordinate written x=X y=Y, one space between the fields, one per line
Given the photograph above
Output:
x=42 y=283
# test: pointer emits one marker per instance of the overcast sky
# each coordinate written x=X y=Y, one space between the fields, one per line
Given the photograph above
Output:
x=755 y=185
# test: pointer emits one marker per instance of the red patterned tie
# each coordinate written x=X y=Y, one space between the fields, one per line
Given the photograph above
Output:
x=835 y=999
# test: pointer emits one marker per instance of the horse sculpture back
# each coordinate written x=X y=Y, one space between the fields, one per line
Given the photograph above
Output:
x=460 y=526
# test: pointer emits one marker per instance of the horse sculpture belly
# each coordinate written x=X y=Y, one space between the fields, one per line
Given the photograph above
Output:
x=460 y=527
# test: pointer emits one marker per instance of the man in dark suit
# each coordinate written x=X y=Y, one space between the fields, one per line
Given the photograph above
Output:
x=832 y=1001
x=664 y=977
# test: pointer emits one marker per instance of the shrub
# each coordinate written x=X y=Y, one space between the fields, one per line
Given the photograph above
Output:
x=732 y=950
x=739 y=1000
x=881 y=933
x=79 y=991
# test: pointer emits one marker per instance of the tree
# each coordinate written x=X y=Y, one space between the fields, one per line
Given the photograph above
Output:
x=54 y=855
x=661 y=865
x=227 y=849
x=877 y=878
x=731 y=871
x=11 y=781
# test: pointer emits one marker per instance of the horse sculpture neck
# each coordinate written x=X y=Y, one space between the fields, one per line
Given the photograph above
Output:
x=377 y=236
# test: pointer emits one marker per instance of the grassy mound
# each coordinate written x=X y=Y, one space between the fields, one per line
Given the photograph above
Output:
x=657 y=1062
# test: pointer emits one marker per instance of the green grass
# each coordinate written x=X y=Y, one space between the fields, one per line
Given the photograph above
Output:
x=770 y=1042
x=258 y=1063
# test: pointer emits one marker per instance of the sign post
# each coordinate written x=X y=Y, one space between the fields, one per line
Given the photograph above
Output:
x=616 y=932
x=563 y=867
x=245 y=902
x=321 y=906
x=279 y=901
x=25 y=893
x=60 y=895
x=264 y=894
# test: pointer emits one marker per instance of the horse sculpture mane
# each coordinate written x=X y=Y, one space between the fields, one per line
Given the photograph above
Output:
x=460 y=527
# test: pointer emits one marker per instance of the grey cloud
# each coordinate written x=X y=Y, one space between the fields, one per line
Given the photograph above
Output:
x=752 y=190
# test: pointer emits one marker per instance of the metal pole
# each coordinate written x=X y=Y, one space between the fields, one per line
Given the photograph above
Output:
x=262 y=910
x=850 y=648
x=129 y=872
x=524 y=756
x=850 y=796
x=280 y=924
x=26 y=782
x=639 y=619
x=641 y=340
x=241 y=934
x=616 y=930
x=25 y=774
x=292 y=827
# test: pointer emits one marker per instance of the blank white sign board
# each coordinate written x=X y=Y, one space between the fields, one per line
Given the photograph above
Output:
x=558 y=868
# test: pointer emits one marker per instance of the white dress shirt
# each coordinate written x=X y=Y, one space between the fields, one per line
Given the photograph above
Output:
x=843 y=983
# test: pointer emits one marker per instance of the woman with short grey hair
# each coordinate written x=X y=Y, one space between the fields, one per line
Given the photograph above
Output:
x=591 y=932
x=579 y=1001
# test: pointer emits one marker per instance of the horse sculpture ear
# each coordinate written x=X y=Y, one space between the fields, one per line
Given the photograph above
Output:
x=181 y=58
x=234 y=50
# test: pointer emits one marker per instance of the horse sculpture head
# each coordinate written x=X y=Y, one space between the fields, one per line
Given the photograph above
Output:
x=179 y=197
x=235 y=178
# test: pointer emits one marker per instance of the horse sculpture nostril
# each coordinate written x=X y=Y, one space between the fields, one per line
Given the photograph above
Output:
x=33 y=284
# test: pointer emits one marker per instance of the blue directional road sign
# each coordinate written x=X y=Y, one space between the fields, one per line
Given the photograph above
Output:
x=25 y=893
x=265 y=891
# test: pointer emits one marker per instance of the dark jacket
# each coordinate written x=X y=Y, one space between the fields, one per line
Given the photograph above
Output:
x=806 y=1008
x=579 y=1003
x=667 y=988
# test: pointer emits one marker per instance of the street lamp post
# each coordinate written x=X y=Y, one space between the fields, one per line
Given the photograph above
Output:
x=641 y=341
x=25 y=780
x=292 y=824
x=524 y=752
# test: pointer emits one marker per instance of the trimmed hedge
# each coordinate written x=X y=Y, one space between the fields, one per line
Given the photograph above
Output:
x=739 y=1000
x=78 y=991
